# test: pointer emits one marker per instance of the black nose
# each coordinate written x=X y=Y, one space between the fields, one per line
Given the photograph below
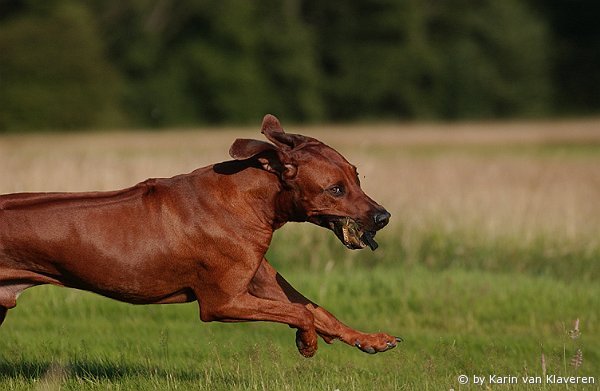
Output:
x=382 y=218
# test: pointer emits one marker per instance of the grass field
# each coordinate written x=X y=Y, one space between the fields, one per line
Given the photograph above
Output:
x=492 y=254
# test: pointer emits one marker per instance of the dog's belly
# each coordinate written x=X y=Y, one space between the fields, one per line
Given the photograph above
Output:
x=140 y=284
x=183 y=295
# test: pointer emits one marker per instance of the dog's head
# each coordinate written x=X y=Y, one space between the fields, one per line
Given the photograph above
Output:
x=325 y=187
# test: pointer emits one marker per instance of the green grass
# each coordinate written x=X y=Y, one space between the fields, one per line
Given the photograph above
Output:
x=492 y=253
x=437 y=248
x=455 y=320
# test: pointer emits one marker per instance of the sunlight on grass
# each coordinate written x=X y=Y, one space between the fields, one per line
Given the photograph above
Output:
x=492 y=253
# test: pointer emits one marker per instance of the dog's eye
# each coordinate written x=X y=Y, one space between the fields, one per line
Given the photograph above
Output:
x=337 y=190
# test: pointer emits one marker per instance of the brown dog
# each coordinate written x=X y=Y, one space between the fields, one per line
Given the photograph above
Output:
x=200 y=236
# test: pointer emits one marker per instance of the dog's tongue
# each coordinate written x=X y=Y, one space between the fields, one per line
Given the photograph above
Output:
x=367 y=238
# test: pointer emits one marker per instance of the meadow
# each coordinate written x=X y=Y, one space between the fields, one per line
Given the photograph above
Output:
x=489 y=267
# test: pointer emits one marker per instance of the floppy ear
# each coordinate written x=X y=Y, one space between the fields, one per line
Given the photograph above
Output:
x=270 y=158
x=244 y=148
x=273 y=130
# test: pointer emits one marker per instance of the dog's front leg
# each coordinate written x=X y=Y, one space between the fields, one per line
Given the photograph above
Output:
x=269 y=284
x=247 y=307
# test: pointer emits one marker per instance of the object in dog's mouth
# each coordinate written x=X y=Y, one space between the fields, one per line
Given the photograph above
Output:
x=353 y=236
x=368 y=239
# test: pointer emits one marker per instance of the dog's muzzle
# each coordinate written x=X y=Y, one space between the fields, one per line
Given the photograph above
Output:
x=349 y=231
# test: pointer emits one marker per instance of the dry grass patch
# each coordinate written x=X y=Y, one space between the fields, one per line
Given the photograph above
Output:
x=496 y=192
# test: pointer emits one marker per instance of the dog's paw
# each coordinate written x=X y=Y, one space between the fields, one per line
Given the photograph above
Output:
x=306 y=341
x=375 y=343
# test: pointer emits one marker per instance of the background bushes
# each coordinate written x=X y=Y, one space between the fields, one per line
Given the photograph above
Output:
x=80 y=64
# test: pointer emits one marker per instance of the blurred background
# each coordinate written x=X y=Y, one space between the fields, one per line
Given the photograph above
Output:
x=76 y=64
x=475 y=123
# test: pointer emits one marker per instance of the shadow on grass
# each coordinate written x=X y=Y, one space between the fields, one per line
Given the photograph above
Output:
x=89 y=370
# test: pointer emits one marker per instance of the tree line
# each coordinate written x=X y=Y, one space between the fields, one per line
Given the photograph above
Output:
x=74 y=64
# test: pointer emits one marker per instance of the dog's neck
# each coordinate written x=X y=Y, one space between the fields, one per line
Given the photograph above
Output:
x=267 y=188
x=287 y=207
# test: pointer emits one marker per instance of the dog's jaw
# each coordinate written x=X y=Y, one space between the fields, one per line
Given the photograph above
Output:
x=348 y=230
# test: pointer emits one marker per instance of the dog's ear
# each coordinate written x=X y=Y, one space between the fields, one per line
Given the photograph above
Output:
x=268 y=155
x=244 y=148
x=273 y=130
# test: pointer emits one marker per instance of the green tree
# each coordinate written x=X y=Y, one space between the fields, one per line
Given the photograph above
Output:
x=82 y=63
x=212 y=61
x=495 y=59
x=52 y=70
x=419 y=59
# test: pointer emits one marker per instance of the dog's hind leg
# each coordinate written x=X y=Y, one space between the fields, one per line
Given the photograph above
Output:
x=8 y=298
x=12 y=283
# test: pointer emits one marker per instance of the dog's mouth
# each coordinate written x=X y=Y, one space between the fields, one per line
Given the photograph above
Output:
x=350 y=232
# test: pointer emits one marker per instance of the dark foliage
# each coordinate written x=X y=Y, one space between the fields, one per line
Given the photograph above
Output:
x=89 y=63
